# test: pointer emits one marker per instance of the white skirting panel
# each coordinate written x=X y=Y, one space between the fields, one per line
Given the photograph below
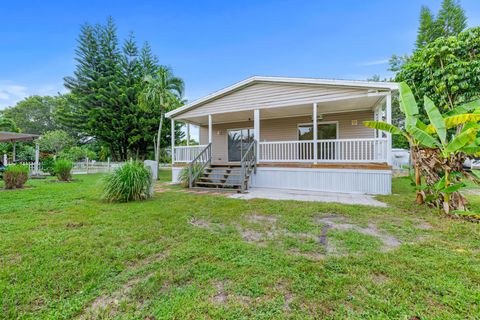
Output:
x=329 y=180
x=176 y=173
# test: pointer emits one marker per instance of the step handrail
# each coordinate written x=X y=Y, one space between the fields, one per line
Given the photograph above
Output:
x=204 y=158
x=248 y=162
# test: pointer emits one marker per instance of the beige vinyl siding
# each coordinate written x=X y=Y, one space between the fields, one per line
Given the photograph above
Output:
x=285 y=129
x=266 y=95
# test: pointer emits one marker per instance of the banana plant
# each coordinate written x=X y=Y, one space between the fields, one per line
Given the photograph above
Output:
x=436 y=134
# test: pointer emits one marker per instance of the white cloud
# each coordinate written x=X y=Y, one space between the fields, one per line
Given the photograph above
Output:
x=374 y=62
x=11 y=93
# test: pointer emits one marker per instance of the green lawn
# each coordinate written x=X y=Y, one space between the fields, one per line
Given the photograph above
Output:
x=66 y=254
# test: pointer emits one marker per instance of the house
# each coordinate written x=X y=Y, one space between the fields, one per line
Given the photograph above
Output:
x=289 y=133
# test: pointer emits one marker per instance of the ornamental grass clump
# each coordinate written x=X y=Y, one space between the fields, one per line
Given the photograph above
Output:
x=63 y=169
x=183 y=177
x=130 y=182
x=15 y=176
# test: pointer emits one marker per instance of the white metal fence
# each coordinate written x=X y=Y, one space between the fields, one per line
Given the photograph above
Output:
x=84 y=167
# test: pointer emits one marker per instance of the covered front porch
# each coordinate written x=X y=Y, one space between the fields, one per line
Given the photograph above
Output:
x=319 y=134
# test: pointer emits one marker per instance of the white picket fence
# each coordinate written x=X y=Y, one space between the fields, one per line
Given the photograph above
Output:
x=84 y=167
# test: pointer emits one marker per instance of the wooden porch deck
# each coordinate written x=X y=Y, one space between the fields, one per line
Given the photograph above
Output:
x=325 y=165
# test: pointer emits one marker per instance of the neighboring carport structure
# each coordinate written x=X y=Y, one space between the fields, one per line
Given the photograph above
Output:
x=14 y=137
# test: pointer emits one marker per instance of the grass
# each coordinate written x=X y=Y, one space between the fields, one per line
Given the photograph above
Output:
x=64 y=253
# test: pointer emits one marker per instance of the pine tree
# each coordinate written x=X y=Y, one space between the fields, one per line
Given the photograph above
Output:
x=148 y=61
x=451 y=19
x=105 y=87
x=426 y=30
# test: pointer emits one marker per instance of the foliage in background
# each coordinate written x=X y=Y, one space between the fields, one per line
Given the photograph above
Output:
x=78 y=154
x=446 y=71
x=35 y=114
x=55 y=141
x=450 y=21
x=130 y=182
x=7 y=124
x=15 y=176
x=48 y=165
x=105 y=87
x=63 y=169
x=25 y=152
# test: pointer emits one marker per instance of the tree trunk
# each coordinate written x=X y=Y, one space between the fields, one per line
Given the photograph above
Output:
x=418 y=177
x=418 y=182
x=157 y=151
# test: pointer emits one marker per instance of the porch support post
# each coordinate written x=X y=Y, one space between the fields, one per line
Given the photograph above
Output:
x=188 y=134
x=14 y=153
x=209 y=128
x=256 y=130
x=315 y=134
x=37 y=158
x=388 y=115
x=172 y=122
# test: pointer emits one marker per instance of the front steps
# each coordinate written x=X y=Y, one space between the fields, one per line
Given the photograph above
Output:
x=226 y=177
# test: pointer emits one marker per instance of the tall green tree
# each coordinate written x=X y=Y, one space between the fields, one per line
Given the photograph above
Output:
x=450 y=21
x=446 y=71
x=105 y=90
x=426 y=27
x=163 y=90
x=35 y=114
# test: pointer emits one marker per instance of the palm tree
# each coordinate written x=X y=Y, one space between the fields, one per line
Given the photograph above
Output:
x=161 y=90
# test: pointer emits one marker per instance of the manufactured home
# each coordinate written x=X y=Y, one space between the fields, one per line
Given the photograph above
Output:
x=289 y=133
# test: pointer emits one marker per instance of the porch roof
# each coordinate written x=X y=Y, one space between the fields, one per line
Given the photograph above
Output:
x=6 y=136
x=276 y=93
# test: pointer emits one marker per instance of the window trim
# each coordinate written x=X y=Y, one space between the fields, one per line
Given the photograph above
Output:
x=226 y=141
x=337 y=123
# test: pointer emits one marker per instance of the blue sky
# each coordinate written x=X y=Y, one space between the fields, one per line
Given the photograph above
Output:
x=212 y=44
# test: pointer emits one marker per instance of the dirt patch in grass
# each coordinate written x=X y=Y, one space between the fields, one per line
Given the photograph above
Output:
x=204 y=224
x=107 y=305
x=62 y=181
x=262 y=219
x=341 y=223
x=379 y=278
x=423 y=225
x=74 y=225
x=221 y=295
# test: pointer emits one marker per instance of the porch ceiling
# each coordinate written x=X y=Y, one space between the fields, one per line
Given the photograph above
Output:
x=339 y=106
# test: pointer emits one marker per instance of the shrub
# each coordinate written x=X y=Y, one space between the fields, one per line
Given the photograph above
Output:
x=197 y=171
x=63 y=169
x=48 y=165
x=15 y=176
x=130 y=182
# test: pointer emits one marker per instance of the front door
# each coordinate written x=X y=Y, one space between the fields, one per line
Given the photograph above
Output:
x=238 y=142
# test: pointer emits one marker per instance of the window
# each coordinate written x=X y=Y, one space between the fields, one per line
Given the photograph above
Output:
x=325 y=131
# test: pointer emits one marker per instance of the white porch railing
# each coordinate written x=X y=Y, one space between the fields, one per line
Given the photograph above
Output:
x=187 y=153
x=338 y=150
